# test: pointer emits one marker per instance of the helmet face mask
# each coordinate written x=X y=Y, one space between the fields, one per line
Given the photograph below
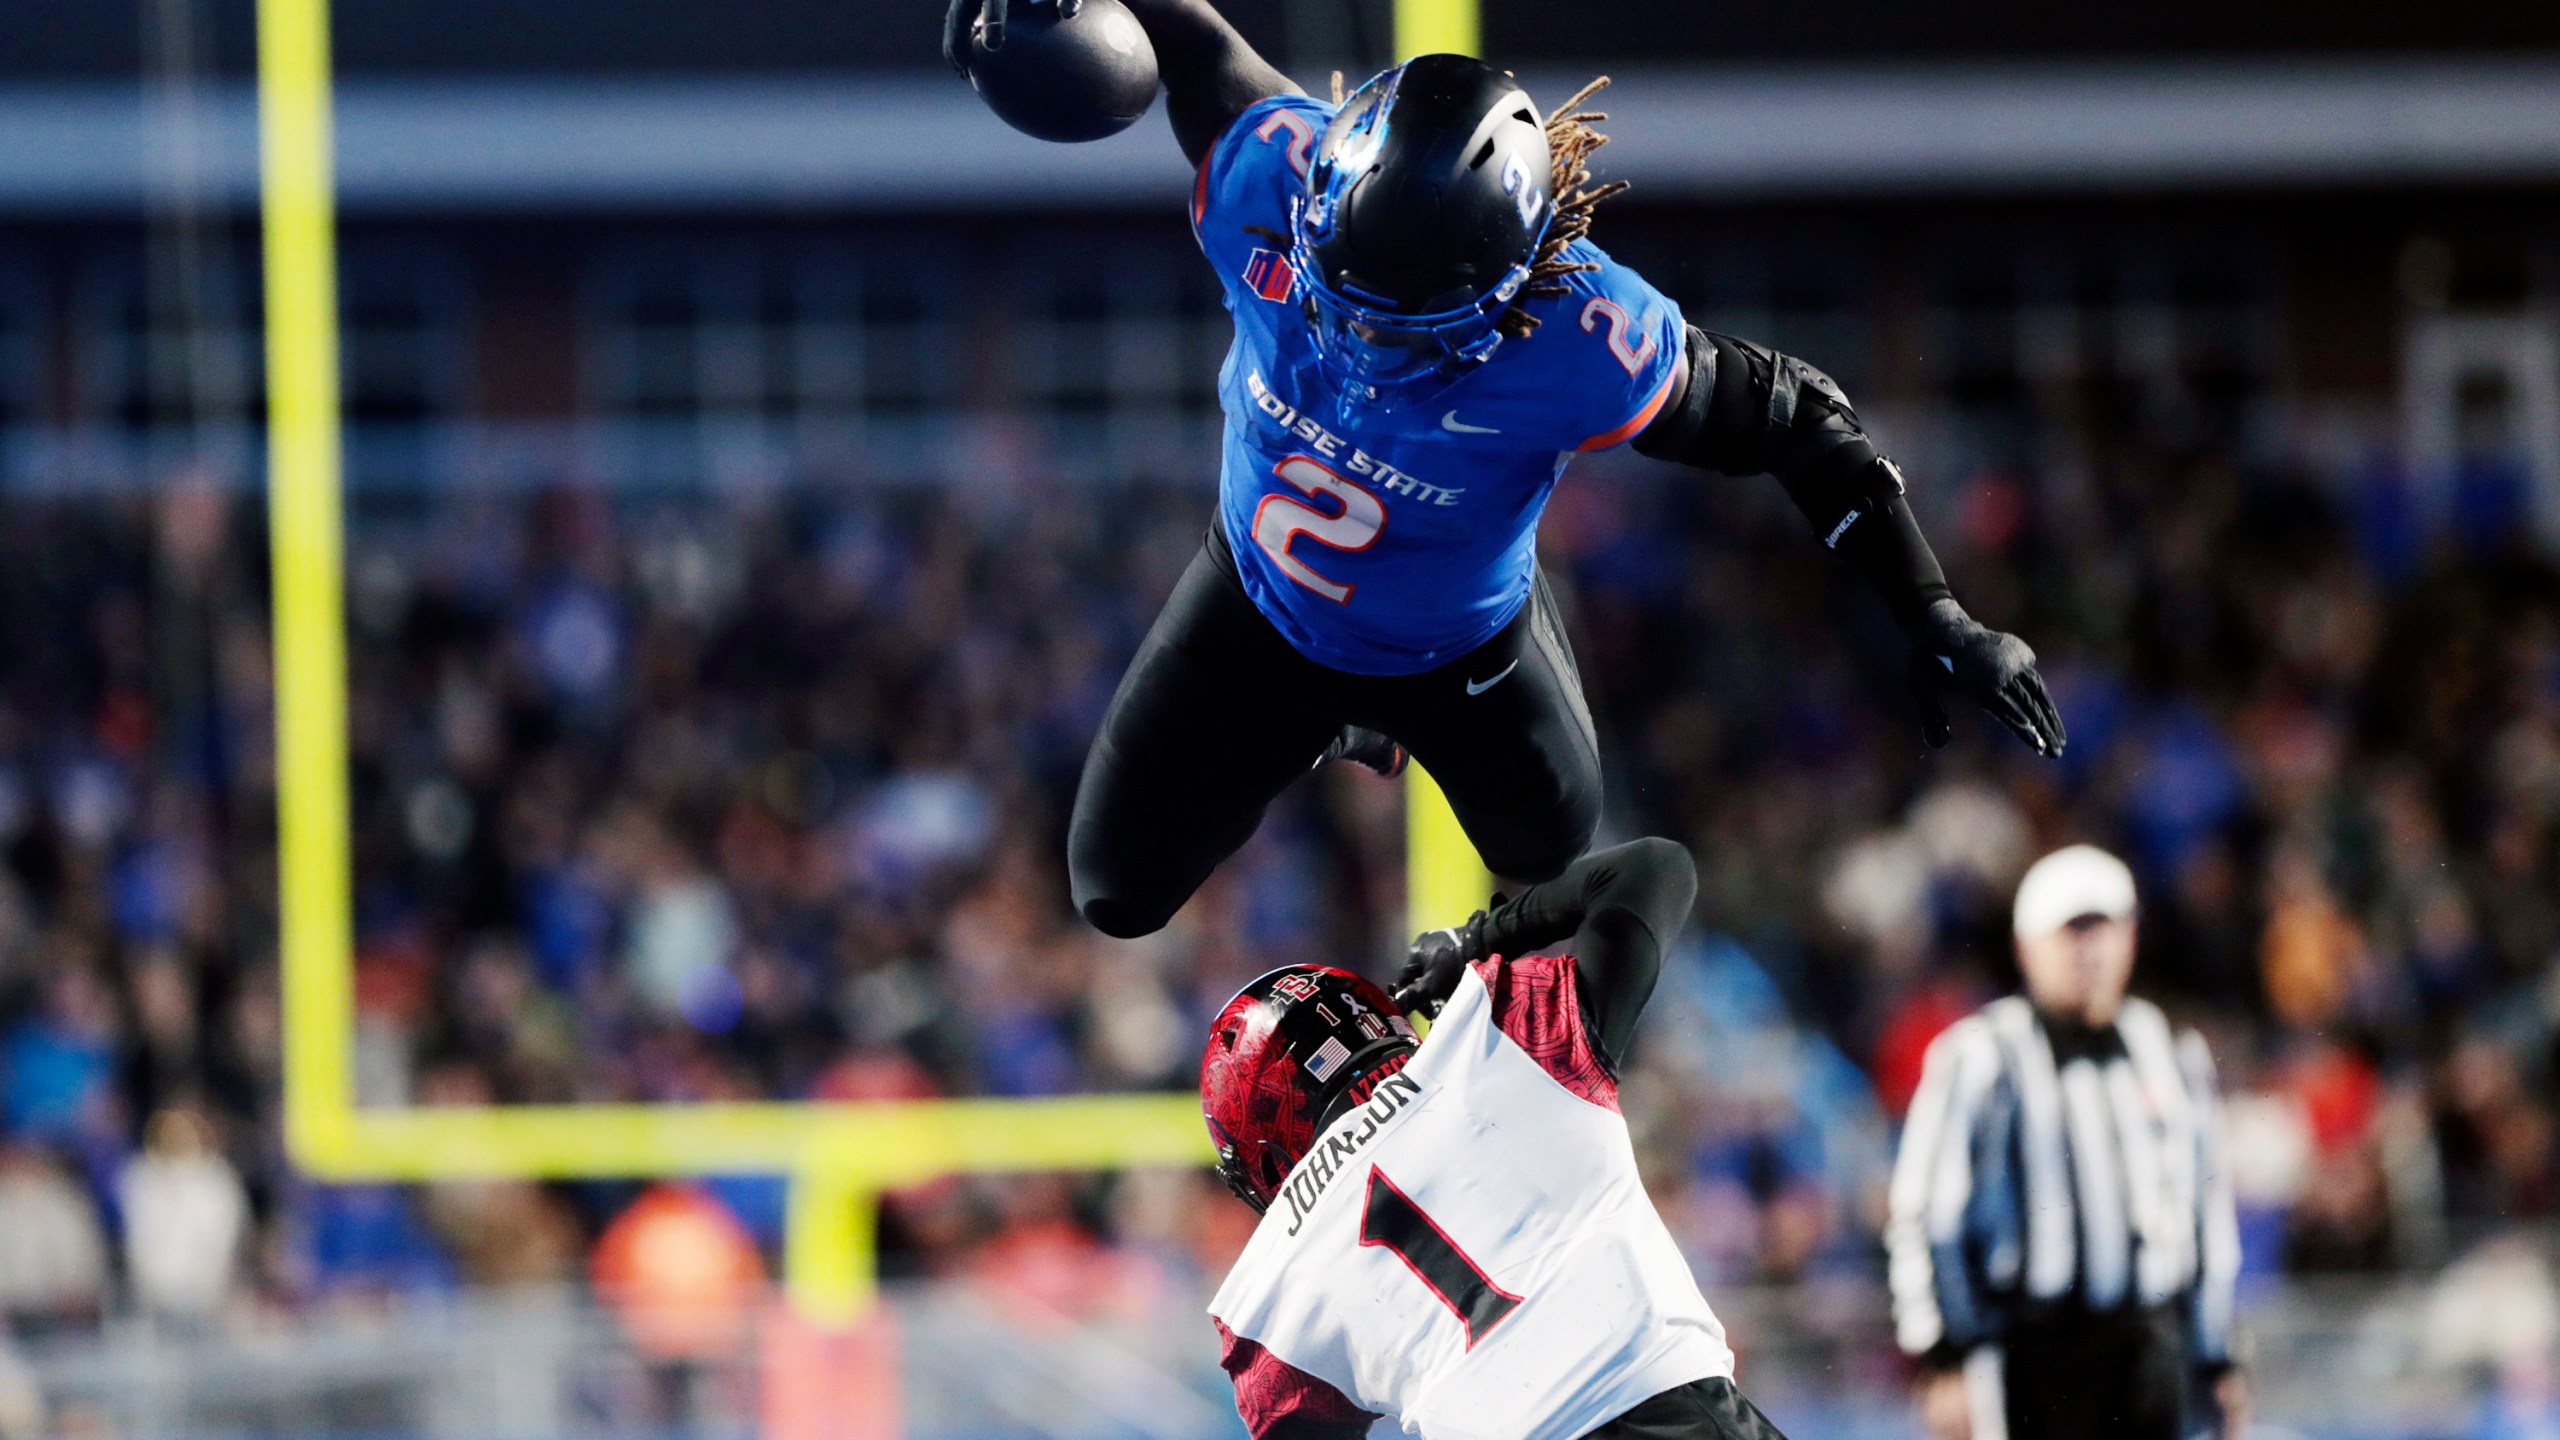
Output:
x=1284 y=1053
x=1382 y=357
x=1424 y=208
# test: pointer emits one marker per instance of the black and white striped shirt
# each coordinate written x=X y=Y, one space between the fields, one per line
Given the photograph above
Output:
x=2042 y=1175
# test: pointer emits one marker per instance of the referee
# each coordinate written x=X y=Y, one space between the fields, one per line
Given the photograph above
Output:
x=2062 y=1241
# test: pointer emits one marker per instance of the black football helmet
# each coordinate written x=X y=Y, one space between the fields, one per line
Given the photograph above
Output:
x=1425 y=204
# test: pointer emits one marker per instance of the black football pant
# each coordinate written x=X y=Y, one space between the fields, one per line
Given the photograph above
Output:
x=2121 y=1376
x=1710 y=1409
x=1218 y=713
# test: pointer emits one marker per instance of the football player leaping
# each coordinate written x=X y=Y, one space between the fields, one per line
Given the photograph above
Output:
x=1454 y=1233
x=1423 y=338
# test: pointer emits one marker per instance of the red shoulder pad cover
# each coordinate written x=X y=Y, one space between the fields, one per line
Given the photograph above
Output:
x=1536 y=1005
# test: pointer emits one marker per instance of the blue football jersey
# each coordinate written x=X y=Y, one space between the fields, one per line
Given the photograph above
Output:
x=1400 y=539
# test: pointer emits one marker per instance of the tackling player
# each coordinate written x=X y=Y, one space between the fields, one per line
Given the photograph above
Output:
x=1423 y=339
x=1454 y=1233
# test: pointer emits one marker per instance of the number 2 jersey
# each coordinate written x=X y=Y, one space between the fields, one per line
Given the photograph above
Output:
x=1400 y=539
x=1471 y=1251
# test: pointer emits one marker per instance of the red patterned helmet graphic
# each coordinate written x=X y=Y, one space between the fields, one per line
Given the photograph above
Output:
x=1288 y=1047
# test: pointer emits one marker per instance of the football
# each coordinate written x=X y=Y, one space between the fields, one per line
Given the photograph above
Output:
x=1066 y=70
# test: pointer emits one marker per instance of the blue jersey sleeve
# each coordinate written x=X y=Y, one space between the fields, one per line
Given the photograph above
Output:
x=1618 y=344
x=1245 y=186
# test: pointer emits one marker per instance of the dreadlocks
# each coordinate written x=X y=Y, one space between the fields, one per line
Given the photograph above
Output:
x=1570 y=141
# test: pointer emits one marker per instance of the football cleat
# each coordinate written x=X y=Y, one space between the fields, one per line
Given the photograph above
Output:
x=1367 y=749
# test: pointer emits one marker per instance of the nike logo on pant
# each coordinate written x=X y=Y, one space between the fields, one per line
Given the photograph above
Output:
x=1453 y=424
x=1478 y=687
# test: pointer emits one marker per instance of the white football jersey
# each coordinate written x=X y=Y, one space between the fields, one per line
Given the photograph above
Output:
x=1472 y=1253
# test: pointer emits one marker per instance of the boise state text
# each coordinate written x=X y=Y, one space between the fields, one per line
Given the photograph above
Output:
x=1334 y=449
x=1362 y=562
x=1333 y=1153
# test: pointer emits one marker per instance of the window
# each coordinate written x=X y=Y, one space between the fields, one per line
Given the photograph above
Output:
x=25 y=362
x=404 y=361
x=711 y=358
x=2069 y=337
x=1116 y=343
x=165 y=373
x=1808 y=293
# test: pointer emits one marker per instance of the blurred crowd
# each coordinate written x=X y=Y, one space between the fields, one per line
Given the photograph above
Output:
x=697 y=798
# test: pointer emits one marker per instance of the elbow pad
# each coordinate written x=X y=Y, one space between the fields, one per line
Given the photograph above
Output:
x=1750 y=410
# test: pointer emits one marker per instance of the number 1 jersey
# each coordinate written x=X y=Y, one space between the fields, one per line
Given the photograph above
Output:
x=1472 y=1251
x=1398 y=540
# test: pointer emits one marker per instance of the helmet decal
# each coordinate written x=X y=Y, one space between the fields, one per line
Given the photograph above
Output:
x=1328 y=1058
x=1523 y=191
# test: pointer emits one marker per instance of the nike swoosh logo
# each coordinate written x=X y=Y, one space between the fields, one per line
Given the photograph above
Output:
x=1453 y=424
x=1478 y=687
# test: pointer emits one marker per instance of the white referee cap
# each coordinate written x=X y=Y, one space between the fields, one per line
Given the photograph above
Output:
x=2071 y=882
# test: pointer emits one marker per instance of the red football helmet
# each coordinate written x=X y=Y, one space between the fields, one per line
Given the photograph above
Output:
x=1288 y=1049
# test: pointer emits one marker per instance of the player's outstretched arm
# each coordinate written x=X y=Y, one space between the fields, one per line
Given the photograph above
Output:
x=1744 y=409
x=1620 y=908
x=1210 y=74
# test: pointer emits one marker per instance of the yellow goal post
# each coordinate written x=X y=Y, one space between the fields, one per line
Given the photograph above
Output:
x=839 y=1157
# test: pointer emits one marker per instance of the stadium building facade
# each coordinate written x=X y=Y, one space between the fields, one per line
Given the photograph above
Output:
x=798 y=250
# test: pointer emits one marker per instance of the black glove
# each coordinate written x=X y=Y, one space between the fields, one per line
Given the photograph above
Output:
x=957 y=22
x=1430 y=974
x=1953 y=651
x=964 y=14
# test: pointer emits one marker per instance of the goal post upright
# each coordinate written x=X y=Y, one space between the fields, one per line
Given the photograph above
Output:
x=305 y=539
x=1436 y=27
x=1445 y=881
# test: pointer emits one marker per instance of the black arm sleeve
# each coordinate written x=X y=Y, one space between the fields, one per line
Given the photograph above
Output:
x=1210 y=74
x=1748 y=410
x=1619 y=907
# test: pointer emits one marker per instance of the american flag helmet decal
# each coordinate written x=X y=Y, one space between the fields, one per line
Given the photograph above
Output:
x=1327 y=1059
